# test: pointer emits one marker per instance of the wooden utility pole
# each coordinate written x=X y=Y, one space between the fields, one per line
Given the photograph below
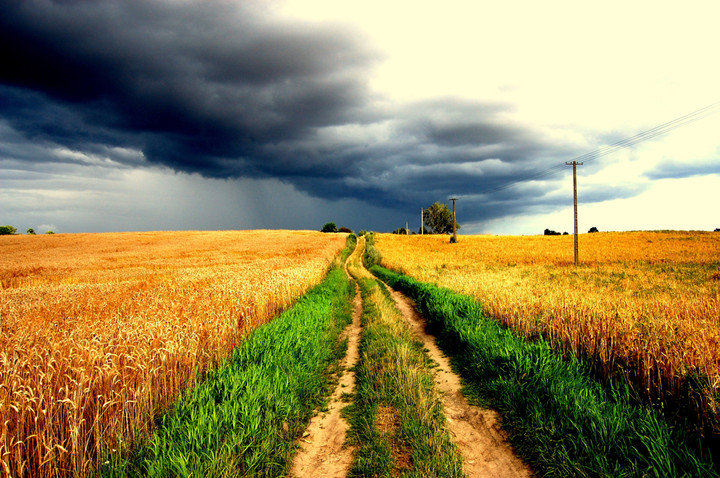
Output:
x=454 y=237
x=575 y=165
x=406 y=228
x=422 y=222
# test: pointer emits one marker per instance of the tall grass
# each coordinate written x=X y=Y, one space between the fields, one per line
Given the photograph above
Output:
x=99 y=332
x=243 y=418
x=643 y=307
x=562 y=421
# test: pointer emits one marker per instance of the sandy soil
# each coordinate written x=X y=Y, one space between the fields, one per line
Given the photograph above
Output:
x=477 y=433
x=322 y=448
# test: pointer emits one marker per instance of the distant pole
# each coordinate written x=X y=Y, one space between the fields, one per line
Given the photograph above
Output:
x=575 y=165
x=422 y=222
x=406 y=228
x=454 y=239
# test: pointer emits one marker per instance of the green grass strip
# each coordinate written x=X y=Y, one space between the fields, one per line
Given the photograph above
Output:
x=397 y=419
x=243 y=419
x=561 y=420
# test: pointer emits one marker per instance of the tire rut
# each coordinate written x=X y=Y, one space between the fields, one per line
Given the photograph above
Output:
x=322 y=450
x=483 y=444
x=477 y=433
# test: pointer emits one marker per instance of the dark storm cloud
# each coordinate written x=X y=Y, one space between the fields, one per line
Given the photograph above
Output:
x=434 y=149
x=192 y=84
x=453 y=146
x=226 y=89
x=456 y=122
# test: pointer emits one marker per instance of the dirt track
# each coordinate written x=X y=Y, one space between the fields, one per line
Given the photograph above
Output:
x=477 y=433
x=322 y=448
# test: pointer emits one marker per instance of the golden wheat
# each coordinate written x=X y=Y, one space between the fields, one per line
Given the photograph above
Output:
x=99 y=332
x=645 y=305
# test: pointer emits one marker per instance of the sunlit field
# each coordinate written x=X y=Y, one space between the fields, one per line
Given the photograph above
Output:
x=99 y=332
x=644 y=306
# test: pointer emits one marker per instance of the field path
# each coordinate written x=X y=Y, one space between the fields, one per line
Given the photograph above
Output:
x=322 y=448
x=484 y=447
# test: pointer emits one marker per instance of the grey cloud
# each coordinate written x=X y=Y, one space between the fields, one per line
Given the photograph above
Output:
x=189 y=82
x=229 y=90
x=474 y=129
x=410 y=167
x=673 y=169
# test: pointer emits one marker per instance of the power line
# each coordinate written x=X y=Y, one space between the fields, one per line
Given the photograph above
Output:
x=651 y=133
x=654 y=132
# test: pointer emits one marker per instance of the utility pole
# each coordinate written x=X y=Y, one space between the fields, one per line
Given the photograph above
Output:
x=575 y=165
x=422 y=222
x=406 y=228
x=454 y=236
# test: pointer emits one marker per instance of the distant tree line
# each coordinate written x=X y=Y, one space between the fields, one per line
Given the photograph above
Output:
x=332 y=227
x=550 y=232
x=8 y=230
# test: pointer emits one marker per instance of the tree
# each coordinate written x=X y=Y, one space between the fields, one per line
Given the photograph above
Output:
x=345 y=229
x=593 y=229
x=329 y=227
x=31 y=231
x=438 y=219
x=7 y=230
x=400 y=230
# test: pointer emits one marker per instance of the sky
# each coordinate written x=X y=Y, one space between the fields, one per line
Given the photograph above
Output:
x=202 y=115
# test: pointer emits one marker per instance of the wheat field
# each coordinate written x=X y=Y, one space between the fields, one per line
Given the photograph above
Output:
x=644 y=306
x=99 y=332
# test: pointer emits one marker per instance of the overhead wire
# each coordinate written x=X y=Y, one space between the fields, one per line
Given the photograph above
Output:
x=654 y=132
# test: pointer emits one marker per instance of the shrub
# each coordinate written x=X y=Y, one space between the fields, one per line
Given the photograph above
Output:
x=7 y=230
x=372 y=255
x=329 y=227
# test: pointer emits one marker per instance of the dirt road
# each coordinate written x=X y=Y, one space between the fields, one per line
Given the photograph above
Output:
x=322 y=448
x=477 y=433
